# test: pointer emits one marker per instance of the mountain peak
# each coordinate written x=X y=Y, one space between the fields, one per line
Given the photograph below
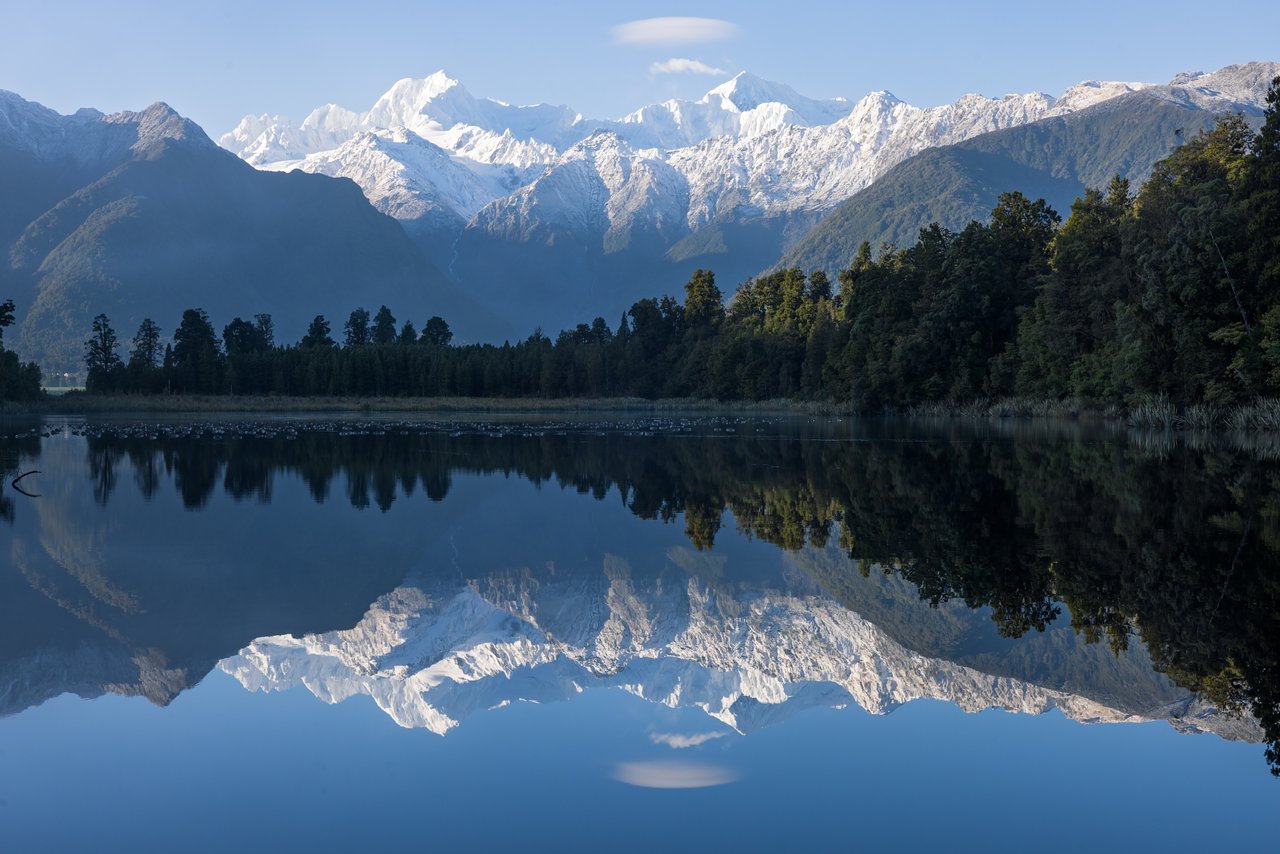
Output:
x=1244 y=84
x=746 y=91
x=157 y=123
x=422 y=90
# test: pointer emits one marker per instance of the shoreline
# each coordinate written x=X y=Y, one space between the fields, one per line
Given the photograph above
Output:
x=85 y=404
x=1156 y=414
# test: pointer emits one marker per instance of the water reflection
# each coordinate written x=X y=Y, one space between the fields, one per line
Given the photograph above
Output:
x=673 y=775
x=806 y=564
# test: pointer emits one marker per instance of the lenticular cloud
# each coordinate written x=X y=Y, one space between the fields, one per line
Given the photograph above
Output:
x=674 y=30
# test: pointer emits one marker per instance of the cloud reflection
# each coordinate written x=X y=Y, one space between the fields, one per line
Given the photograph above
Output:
x=673 y=775
x=679 y=741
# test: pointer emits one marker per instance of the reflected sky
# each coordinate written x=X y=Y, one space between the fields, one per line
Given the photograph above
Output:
x=598 y=650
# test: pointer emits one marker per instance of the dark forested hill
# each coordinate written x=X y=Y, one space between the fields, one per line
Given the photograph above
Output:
x=1053 y=159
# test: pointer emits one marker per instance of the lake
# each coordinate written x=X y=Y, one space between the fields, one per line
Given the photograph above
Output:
x=636 y=633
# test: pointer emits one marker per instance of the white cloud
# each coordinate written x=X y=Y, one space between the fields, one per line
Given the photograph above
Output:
x=680 y=741
x=664 y=31
x=677 y=65
x=672 y=775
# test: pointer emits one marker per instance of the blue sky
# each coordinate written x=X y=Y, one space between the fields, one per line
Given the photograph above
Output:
x=216 y=62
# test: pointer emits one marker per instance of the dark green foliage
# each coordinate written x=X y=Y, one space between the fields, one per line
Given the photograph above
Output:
x=6 y=318
x=408 y=334
x=384 y=327
x=197 y=363
x=356 y=330
x=105 y=370
x=18 y=381
x=703 y=302
x=146 y=351
x=145 y=359
x=436 y=332
x=317 y=336
x=242 y=338
x=935 y=322
x=266 y=330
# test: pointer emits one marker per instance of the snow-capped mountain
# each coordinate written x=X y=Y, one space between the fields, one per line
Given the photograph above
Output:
x=748 y=147
x=432 y=653
x=596 y=213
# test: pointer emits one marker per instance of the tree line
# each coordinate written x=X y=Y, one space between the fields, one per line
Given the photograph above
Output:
x=1171 y=290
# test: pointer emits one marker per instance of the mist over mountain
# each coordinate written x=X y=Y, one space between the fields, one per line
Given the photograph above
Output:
x=141 y=215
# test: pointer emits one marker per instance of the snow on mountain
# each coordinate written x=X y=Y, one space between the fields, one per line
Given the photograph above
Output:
x=774 y=158
x=1090 y=92
x=749 y=149
x=264 y=139
x=407 y=177
x=431 y=654
x=1235 y=84
x=439 y=103
x=436 y=108
x=744 y=106
x=602 y=187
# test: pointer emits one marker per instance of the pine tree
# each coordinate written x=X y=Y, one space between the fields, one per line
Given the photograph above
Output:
x=356 y=329
x=317 y=337
x=436 y=332
x=100 y=357
x=384 y=327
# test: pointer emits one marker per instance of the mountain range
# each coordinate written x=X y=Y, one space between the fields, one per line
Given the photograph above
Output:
x=504 y=218
x=596 y=213
x=434 y=652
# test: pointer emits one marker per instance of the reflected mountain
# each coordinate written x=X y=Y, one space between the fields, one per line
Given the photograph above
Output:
x=432 y=653
x=132 y=596
x=1113 y=575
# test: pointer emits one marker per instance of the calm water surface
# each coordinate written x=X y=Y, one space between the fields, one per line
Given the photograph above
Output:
x=646 y=634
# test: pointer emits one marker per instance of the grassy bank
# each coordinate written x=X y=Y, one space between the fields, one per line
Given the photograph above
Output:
x=89 y=404
x=1148 y=412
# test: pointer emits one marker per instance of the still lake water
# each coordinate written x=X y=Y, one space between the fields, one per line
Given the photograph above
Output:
x=703 y=633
